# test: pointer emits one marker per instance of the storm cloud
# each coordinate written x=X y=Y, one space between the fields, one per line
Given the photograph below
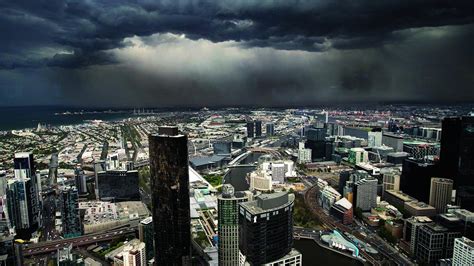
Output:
x=265 y=53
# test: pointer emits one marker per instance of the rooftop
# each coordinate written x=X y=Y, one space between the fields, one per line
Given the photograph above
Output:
x=269 y=202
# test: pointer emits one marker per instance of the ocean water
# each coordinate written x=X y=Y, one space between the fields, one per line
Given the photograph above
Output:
x=29 y=117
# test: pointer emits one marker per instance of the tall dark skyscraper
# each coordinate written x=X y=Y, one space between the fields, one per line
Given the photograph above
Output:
x=22 y=196
x=70 y=212
x=416 y=178
x=270 y=129
x=258 y=128
x=457 y=150
x=316 y=141
x=170 y=198
x=250 y=129
x=266 y=228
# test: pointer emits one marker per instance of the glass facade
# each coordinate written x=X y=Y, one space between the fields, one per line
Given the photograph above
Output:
x=170 y=199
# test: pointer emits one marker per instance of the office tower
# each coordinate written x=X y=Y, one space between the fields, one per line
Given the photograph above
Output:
x=270 y=129
x=53 y=169
x=393 y=140
x=258 y=128
x=316 y=141
x=170 y=198
x=441 y=191
x=228 y=226
x=145 y=233
x=250 y=129
x=118 y=185
x=416 y=178
x=410 y=233
x=133 y=254
x=391 y=181
x=81 y=181
x=374 y=138
x=365 y=194
x=99 y=166
x=358 y=155
x=70 y=212
x=266 y=228
x=457 y=149
x=463 y=251
x=434 y=242
x=22 y=197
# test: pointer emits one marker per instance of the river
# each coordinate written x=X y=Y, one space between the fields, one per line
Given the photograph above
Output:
x=313 y=254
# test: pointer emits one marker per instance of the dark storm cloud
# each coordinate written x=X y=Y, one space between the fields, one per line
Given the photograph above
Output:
x=263 y=52
x=88 y=27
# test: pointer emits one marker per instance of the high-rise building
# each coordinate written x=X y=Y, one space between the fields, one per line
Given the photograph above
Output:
x=441 y=191
x=416 y=178
x=81 y=181
x=118 y=185
x=463 y=251
x=133 y=254
x=391 y=181
x=23 y=197
x=145 y=233
x=374 y=138
x=316 y=141
x=434 y=242
x=70 y=212
x=266 y=228
x=250 y=129
x=457 y=150
x=270 y=129
x=258 y=128
x=365 y=194
x=228 y=226
x=170 y=198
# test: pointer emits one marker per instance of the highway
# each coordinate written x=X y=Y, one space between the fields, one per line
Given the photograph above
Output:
x=53 y=246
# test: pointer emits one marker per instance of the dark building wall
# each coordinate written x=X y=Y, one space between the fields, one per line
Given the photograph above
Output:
x=416 y=178
x=118 y=185
x=265 y=239
x=258 y=128
x=457 y=150
x=170 y=199
x=250 y=129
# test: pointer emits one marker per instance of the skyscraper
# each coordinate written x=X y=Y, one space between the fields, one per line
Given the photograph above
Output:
x=170 y=198
x=366 y=194
x=228 y=226
x=70 y=212
x=22 y=197
x=258 y=128
x=440 y=193
x=463 y=251
x=457 y=150
x=416 y=178
x=146 y=232
x=250 y=129
x=266 y=228
x=270 y=129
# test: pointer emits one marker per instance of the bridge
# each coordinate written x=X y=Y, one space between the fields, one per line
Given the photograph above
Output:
x=273 y=152
x=86 y=240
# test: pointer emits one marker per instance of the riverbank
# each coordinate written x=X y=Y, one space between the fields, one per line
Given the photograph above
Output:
x=315 y=254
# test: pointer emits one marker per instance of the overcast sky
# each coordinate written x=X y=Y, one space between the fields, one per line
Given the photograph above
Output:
x=234 y=52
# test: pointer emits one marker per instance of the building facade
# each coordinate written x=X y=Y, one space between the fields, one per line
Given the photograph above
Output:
x=266 y=227
x=170 y=198
x=70 y=212
x=441 y=191
x=145 y=234
x=463 y=251
x=228 y=226
x=365 y=194
x=118 y=185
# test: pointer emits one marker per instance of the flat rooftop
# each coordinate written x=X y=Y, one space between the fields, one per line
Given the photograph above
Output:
x=267 y=202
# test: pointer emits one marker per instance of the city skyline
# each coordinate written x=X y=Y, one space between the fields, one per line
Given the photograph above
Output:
x=227 y=53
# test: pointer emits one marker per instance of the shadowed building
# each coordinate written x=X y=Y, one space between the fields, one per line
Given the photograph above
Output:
x=170 y=197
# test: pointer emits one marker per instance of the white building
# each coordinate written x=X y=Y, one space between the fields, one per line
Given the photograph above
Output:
x=328 y=197
x=374 y=139
x=304 y=155
x=463 y=251
x=132 y=254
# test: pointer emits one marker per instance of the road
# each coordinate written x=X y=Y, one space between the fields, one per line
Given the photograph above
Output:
x=53 y=246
